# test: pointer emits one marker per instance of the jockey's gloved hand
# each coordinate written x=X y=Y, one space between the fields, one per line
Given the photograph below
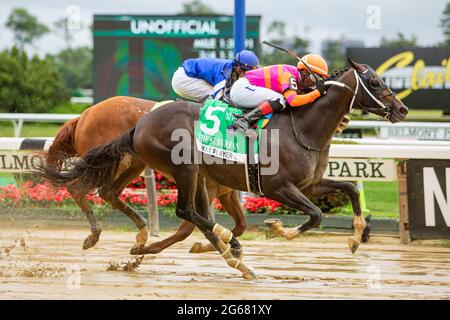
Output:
x=320 y=85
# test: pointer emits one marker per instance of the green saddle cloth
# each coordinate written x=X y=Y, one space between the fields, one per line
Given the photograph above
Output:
x=213 y=137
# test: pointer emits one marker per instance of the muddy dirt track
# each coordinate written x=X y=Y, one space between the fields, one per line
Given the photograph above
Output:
x=49 y=264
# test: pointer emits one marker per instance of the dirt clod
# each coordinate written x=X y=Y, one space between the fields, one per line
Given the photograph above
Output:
x=129 y=266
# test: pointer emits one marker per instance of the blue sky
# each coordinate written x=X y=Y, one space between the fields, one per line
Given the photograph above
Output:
x=314 y=20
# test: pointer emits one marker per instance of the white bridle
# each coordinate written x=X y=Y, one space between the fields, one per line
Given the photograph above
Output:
x=355 y=92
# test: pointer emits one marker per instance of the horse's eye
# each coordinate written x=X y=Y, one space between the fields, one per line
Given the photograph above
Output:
x=374 y=83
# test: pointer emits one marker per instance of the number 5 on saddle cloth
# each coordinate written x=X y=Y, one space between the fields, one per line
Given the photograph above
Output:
x=212 y=138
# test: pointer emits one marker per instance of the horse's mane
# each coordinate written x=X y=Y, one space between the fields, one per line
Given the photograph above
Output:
x=338 y=73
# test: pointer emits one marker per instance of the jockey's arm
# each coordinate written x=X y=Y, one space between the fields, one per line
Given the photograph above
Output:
x=290 y=92
x=218 y=90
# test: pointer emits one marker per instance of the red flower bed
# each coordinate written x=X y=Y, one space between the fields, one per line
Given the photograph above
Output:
x=44 y=195
x=261 y=205
x=31 y=194
x=160 y=181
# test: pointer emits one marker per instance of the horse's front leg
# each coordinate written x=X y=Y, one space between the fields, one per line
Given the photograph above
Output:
x=231 y=204
x=327 y=186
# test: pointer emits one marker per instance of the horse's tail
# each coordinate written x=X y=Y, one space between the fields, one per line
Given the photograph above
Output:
x=63 y=147
x=96 y=169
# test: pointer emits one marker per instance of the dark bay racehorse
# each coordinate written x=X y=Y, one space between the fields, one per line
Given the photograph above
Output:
x=304 y=138
x=102 y=123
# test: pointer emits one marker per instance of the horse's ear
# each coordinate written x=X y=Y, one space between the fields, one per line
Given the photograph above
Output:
x=352 y=63
x=355 y=65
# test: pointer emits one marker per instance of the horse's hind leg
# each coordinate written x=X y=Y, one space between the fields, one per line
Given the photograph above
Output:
x=290 y=196
x=96 y=229
x=184 y=230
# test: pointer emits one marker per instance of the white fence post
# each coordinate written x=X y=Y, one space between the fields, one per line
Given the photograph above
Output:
x=153 y=217
x=403 y=201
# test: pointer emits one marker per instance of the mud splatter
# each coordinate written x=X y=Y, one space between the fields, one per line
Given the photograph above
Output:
x=42 y=271
x=129 y=266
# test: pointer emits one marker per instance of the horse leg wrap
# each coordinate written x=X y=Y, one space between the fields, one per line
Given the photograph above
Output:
x=223 y=233
x=247 y=272
x=359 y=224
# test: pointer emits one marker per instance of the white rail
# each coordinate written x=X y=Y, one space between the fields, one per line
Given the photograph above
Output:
x=389 y=152
x=18 y=119
x=398 y=150
x=392 y=142
x=385 y=129
x=372 y=124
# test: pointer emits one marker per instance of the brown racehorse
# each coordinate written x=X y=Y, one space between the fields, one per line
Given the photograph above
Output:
x=102 y=123
x=304 y=138
x=106 y=121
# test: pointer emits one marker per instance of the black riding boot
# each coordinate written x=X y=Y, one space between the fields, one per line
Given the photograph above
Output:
x=245 y=121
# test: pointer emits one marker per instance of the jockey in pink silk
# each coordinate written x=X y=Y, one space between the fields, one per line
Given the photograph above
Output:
x=274 y=87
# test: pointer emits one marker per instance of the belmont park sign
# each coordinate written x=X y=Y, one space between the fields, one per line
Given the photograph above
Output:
x=338 y=169
x=14 y=162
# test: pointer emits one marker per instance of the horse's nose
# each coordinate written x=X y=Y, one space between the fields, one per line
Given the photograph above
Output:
x=404 y=110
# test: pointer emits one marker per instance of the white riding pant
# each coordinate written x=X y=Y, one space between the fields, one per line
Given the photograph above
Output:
x=246 y=95
x=190 y=88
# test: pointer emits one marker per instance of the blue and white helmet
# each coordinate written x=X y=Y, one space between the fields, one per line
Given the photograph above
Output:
x=246 y=59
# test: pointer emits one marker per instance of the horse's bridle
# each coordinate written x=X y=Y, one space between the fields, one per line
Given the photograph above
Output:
x=366 y=75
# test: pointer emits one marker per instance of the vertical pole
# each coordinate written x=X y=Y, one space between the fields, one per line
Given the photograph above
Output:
x=403 y=201
x=149 y=176
x=239 y=27
x=17 y=124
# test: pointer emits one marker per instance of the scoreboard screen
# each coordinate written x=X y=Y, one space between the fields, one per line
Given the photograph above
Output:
x=136 y=55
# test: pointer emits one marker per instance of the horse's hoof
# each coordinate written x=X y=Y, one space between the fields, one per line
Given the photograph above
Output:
x=290 y=233
x=142 y=236
x=250 y=275
x=137 y=249
x=196 y=248
x=90 y=241
x=353 y=244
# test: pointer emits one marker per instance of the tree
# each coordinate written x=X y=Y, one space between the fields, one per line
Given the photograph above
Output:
x=75 y=66
x=26 y=28
x=400 y=42
x=333 y=53
x=29 y=85
x=445 y=24
x=276 y=33
x=196 y=7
